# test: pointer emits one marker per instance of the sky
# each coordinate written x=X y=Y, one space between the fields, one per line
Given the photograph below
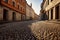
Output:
x=35 y=5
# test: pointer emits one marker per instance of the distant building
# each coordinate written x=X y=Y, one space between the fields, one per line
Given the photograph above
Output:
x=12 y=10
x=50 y=8
x=36 y=17
x=30 y=13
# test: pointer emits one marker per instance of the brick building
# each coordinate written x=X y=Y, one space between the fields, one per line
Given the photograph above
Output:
x=12 y=10
x=51 y=8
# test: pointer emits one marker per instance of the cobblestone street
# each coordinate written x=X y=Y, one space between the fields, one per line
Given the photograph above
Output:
x=30 y=30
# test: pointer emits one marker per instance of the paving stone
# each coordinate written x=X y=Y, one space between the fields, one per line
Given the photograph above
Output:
x=30 y=30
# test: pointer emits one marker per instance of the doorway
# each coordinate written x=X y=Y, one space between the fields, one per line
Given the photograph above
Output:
x=52 y=13
x=21 y=17
x=57 y=12
x=14 y=16
x=5 y=14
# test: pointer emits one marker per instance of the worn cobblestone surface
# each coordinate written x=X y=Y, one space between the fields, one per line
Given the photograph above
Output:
x=30 y=30
x=46 y=30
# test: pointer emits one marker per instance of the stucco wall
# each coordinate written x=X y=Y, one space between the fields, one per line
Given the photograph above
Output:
x=10 y=14
x=1 y=13
x=52 y=4
x=28 y=12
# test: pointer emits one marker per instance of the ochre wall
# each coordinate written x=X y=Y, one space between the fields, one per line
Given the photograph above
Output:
x=22 y=4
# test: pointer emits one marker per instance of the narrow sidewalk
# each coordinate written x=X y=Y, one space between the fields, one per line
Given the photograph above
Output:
x=54 y=21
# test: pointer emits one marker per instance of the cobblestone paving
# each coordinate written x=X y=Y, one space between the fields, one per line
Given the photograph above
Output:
x=30 y=30
x=46 y=30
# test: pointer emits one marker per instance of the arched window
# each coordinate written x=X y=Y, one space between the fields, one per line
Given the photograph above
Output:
x=13 y=4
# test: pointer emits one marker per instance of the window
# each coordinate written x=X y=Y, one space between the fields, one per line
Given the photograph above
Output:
x=51 y=0
x=18 y=6
x=21 y=8
x=13 y=4
x=6 y=1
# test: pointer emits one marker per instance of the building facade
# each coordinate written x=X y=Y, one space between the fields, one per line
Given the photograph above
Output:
x=51 y=8
x=12 y=10
x=42 y=15
x=28 y=12
x=36 y=17
x=32 y=13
